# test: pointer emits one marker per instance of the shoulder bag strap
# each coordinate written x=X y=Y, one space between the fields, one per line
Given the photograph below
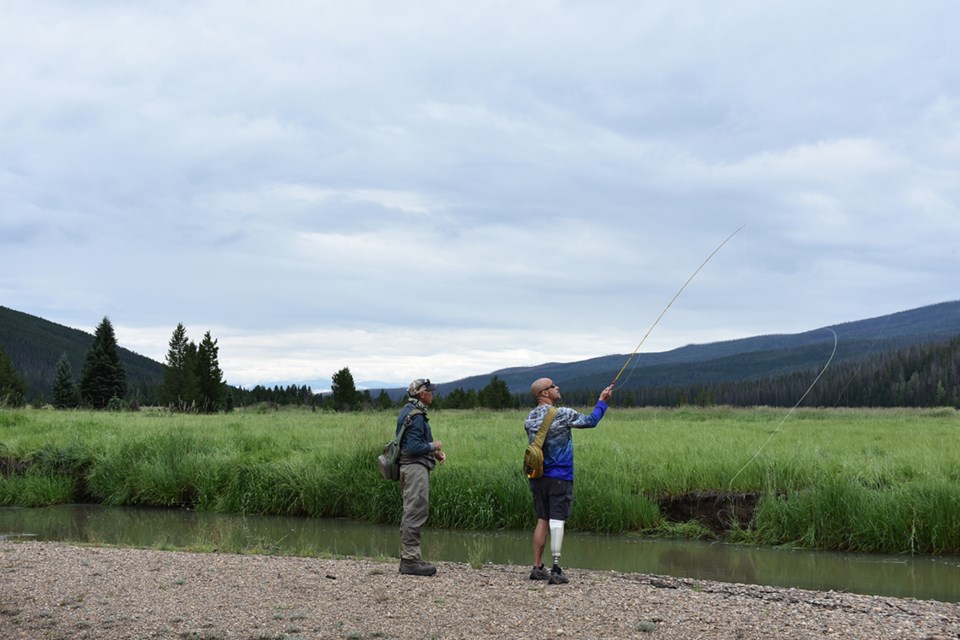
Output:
x=407 y=421
x=544 y=427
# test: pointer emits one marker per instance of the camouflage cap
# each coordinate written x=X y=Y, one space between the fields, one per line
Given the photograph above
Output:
x=420 y=385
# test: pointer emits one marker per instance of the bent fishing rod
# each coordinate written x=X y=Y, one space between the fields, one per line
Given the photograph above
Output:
x=669 y=304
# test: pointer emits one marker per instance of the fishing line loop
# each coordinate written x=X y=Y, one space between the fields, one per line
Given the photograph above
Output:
x=789 y=413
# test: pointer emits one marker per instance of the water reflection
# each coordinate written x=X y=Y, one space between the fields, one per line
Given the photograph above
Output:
x=917 y=577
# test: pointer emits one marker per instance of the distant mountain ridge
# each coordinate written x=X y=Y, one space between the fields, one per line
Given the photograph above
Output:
x=741 y=359
x=35 y=345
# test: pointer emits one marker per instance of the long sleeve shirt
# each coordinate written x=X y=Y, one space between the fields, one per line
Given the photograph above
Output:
x=558 y=446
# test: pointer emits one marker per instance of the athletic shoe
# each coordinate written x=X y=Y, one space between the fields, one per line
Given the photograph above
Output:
x=539 y=573
x=416 y=568
x=557 y=576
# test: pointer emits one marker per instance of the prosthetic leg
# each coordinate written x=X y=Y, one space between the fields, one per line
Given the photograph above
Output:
x=556 y=543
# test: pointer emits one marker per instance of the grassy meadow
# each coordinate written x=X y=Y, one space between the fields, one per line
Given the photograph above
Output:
x=854 y=480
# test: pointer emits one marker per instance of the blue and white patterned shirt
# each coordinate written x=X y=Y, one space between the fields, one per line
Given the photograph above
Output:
x=558 y=446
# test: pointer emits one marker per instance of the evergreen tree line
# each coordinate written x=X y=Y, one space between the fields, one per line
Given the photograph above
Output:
x=917 y=376
x=496 y=395
x=344 y=395
x=13 y=389
x=192 y=379
x=103 y=379
x=296 y=395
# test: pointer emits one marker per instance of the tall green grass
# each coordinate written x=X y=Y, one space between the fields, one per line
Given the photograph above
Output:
x=884 y=480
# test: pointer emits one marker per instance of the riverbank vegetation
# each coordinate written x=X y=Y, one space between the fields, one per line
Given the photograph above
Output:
x=842 y=479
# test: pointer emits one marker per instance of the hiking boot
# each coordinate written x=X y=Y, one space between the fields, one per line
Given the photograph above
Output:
x=416 y=568
x=557 y=576
x=539 y=573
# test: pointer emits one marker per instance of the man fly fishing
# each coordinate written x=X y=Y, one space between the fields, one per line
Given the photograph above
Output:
x=553 y=492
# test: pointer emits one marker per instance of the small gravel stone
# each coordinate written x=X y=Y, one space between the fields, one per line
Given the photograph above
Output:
x=60 y=591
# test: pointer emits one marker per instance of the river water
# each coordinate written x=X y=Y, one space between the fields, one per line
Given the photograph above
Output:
x=923 y=577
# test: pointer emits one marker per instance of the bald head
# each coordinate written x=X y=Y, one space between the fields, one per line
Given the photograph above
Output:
x=539 y=386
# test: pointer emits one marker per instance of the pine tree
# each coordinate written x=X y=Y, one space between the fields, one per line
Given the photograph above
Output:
x=496 y=395
x=103 y=376
x=345 y=395
x=179 y=373
x=13 y=388
x=210 y=387
x=65 y=394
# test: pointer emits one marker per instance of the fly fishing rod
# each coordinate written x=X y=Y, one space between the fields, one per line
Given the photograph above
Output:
x=669 y=304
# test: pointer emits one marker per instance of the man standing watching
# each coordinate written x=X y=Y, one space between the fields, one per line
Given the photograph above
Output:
x=419 y=454
x=553 y=493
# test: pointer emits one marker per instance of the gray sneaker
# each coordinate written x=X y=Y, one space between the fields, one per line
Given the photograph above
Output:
x=416 y=568
x=539 y=573
x=557 y=576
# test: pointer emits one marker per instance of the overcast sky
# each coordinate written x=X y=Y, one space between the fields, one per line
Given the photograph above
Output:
x=442 y=189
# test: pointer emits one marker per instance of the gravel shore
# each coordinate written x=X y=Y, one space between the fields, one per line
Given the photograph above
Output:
x=51 y=590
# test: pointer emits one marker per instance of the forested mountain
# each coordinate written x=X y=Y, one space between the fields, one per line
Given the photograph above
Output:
x=920 y=375
x=747 y=360
x=35 y=345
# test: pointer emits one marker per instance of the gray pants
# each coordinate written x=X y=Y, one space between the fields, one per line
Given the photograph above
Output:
x=415 y=486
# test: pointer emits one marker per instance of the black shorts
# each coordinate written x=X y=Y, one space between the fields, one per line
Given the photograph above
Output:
x=552 y=498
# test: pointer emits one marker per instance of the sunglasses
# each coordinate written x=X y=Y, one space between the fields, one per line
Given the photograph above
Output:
x=553 y=386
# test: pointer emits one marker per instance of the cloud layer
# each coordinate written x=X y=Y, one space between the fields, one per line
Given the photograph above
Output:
x=444 y=190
